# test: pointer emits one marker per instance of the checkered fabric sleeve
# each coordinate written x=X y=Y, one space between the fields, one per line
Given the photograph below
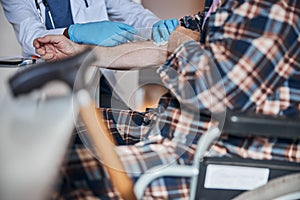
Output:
x=255 y=51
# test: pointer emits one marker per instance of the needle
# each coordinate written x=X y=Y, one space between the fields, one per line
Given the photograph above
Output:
x=138 y=38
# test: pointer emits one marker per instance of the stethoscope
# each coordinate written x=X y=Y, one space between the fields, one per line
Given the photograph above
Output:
x=37 y=5
x=49 y=11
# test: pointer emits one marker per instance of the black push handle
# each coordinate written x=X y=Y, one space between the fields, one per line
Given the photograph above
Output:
x=262 y=125
x=38 y=75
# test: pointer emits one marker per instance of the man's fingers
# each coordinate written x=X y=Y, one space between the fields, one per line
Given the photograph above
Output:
x=41 y=41
x=48 y=57
x=40 y=51
x=36 y=43
x=51 y=39
x=46 y=52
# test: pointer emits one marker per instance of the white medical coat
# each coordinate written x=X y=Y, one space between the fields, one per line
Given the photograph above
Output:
x=24 y=17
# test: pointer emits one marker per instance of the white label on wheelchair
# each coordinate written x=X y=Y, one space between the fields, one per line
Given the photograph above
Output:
x=235 y=177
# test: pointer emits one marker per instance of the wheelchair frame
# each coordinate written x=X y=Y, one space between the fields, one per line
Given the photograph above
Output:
x=255 y=124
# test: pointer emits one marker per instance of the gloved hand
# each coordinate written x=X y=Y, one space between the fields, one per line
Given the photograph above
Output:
x=162 y=29
x=103 y=33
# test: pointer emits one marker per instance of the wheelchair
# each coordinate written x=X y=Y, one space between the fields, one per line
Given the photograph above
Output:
x=282 y=178
x=276 y=179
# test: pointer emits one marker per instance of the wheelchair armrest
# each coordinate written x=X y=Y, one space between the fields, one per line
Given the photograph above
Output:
x=261 y=125
x=163 y=171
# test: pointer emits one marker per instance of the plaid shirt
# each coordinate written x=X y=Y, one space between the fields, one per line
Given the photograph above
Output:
x=254 y=47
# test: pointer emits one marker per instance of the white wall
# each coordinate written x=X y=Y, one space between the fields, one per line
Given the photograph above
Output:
x=9 y=45
x=173 y=8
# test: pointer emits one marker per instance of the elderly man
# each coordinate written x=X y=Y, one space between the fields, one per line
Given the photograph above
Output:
x=255 y=47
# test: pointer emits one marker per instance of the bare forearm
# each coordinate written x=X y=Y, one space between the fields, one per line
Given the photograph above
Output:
x=141 y=54
x=130 y=55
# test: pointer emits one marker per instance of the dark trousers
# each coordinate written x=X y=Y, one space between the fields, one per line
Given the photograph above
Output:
x=108 y=99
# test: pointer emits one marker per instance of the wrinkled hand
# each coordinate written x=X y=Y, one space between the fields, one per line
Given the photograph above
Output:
x=55 y=47
x=162 y=29
x=103 y=33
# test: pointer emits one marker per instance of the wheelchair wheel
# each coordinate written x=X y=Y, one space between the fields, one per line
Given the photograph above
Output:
x=285 y=187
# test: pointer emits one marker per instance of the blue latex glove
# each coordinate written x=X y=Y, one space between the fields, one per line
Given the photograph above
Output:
x=162 y=29
x=103 y=33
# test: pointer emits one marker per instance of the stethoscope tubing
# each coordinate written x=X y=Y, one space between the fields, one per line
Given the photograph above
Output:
x=45 y=2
